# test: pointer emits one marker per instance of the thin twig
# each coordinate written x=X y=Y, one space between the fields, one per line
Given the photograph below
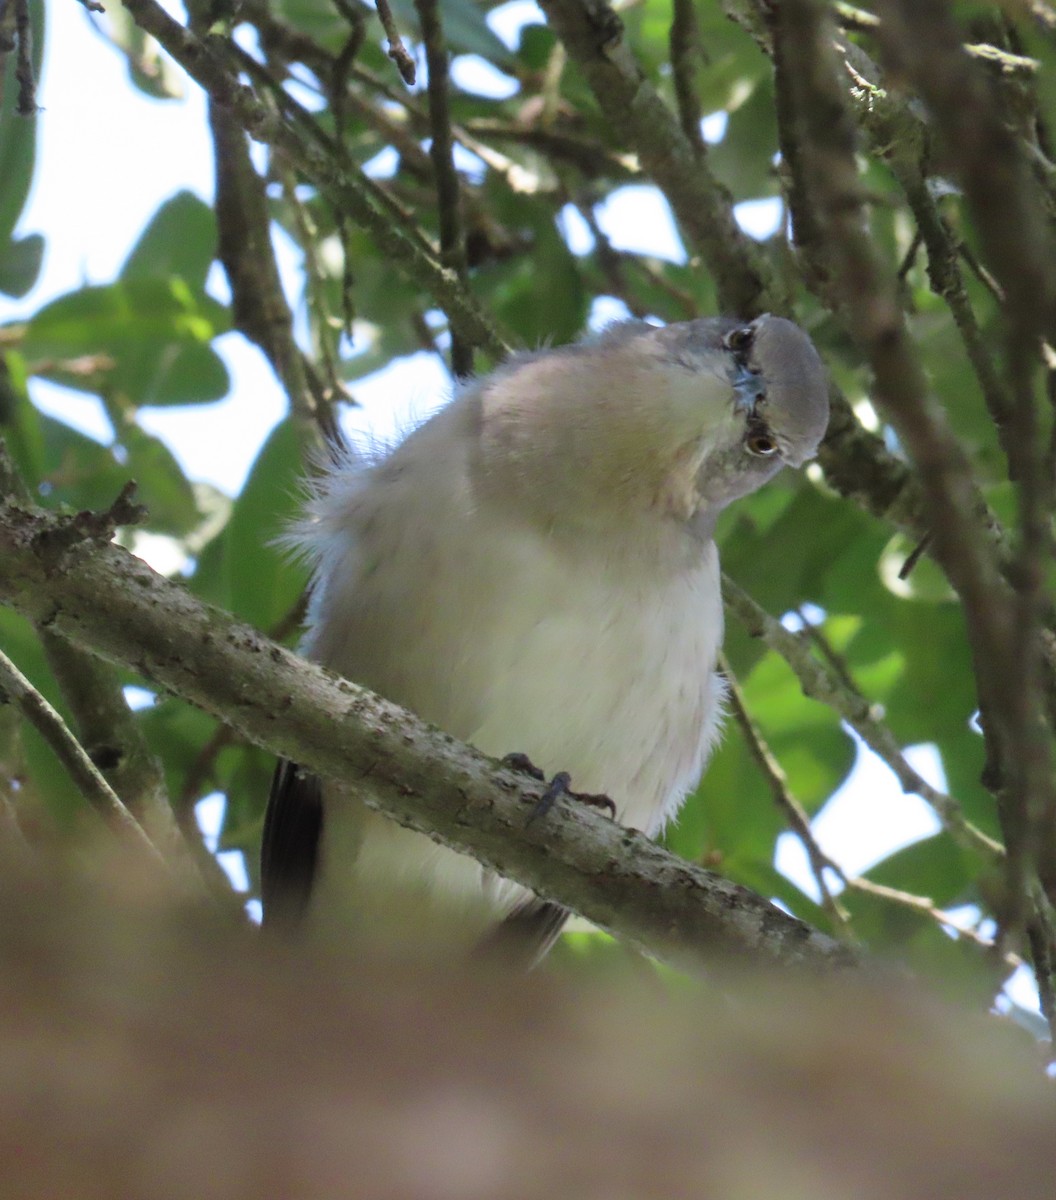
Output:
x=26 y=105
x=452 y=235
x=347 y=188
x=397 y=51
x=684 y=47
x=821 y=683
x=111 y=735
x=926 y=907
x=90 y=782
x=612 y=263
x=899 y=136
x=914 y=557
x=1041 y=940
x=324 y=397
x=777 y=782
x=336 y=80
x=1031 y=775
x=594 y=38
x=257 y=299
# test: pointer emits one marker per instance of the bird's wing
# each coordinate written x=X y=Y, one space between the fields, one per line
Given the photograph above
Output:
x=292 y=830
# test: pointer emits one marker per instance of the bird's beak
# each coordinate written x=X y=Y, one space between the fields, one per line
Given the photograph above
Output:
x=748 y=387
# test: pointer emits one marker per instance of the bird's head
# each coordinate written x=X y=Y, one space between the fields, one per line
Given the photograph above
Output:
x=680 y=419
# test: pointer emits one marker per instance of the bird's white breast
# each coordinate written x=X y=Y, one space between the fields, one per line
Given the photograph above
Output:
x=591 y=658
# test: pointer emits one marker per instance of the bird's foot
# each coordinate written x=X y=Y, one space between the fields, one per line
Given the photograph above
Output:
x=558 y=786
x=522 y=763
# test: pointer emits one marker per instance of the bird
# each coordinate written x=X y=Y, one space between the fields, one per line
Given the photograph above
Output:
x=533 y=570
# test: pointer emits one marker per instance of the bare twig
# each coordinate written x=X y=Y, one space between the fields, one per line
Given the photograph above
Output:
x=926 y=907
x=111 y=736
x=397 y=51
x=914 y=557
x=346 y=187
x=324 y=395
x=1041 y=940
x=898 y=135
x=823 y=684
x=684 y=45
x=452 y=235
x=26 y=105
x=921 y=40
x=257 y=300
x=777 y=782
x=14 y=686
x=593 y=36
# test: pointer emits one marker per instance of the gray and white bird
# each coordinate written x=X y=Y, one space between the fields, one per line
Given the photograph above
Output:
x=533 y=570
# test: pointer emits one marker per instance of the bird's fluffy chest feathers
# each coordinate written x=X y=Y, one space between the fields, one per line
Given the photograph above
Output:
x=608 y=679
x=595 y=663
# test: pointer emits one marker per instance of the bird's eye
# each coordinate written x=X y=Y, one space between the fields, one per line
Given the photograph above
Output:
x=740 y=340
x=760 y=443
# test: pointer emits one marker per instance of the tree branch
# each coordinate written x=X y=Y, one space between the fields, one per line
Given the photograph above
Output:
x=14 y=686
x=441 y=150
x=102 y=597
x=248 y=258
x=821 y=683
x=345 y=186
x=864 y=291
x=593 y=35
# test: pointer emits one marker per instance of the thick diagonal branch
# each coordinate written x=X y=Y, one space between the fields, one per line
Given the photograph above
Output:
x=104 y=598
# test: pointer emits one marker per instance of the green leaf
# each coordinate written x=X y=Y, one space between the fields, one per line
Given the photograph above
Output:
x=18 y=134
x=542 y=294
x=731 y=815
x=19 y=421
x=77 y=471
x=67 y=468
x=245 y=773
x=47 y=782
x=176 y=732
x=536 y=45
x=180 y=241
x=322 y=22
x=20 y=264
x=744 y=159
x=141 y=342
x=262 y=583
x=162 y=485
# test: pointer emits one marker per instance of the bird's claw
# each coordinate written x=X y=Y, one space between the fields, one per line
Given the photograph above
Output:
x=522 y=763
x=557 y=787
